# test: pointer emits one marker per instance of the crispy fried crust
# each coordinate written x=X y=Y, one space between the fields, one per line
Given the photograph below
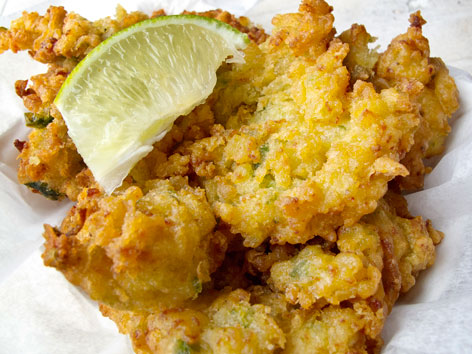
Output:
x=59 y=35
x=360 y=60
x=407 y=65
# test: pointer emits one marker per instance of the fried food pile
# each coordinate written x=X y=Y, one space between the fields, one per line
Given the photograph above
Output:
x=269 y=219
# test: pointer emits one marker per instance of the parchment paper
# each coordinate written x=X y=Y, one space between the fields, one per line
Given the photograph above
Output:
x=42 y=313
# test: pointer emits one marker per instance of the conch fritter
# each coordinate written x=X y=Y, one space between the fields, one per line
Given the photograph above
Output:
x=381 y=247
x=407 y=65
x=139 y=248
x=302 y=152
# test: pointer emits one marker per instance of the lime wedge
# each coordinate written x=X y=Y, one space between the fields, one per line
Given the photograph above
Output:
x=125 y=95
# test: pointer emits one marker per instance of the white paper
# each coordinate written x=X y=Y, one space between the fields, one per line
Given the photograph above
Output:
x=42 y=313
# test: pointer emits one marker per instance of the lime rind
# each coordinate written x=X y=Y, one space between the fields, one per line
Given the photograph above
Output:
x=235 y=39
x=110 y=100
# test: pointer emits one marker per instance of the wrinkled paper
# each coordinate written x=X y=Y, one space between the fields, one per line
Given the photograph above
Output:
x=42 y=313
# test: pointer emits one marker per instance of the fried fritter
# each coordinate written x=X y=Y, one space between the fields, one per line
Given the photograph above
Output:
x=59 y=35
x=302 y=153
x=139 y=248
x=382 y=250
x=336 y=329
x=407 y=65
x=408 y=243
x=49 y=161
x=315 y=275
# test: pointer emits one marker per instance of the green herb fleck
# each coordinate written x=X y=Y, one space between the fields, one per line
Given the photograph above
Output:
x=299 y=269
x=174 y=195
x=342 y=127
x=268 y=181
x=37 y=120
x=3 y=28
x=44 y=189
x=223 y=82
x=243 y=315
x=263 y=149
x=182 y=347
x=272 y=199
x=197 y=285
